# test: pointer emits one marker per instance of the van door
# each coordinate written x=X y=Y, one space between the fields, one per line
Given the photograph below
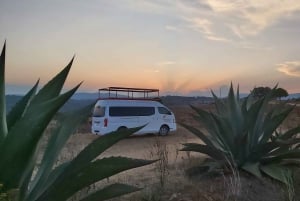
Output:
x=147 y=118
x=165 y=116
x=122 y=116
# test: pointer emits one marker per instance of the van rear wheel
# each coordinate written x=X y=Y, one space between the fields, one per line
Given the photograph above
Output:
x=122 y=128
x=164 y=130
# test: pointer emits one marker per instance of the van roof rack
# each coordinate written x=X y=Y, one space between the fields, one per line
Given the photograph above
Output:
x=129 y=93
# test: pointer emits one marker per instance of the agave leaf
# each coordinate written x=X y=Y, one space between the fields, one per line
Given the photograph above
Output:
x=259 y=124
x=252 y=168
x=241 y=150
x=54 y=86
x=289 y=154
x=277 y=172
x=199 y=134
x=3 y=125
x=67 y=184
x=56 y=142
x=271 y=125
x=98 y=146
x=224 y=133
x=204 y=149
x=235 y=114
x=55 y=173
x=290 y=133
x=211 y=126
x=111 y=191
x=19 y=109
x=220 y=105
x=22 y=147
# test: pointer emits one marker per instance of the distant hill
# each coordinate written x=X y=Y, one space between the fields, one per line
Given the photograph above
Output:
x=70 y=105
x=183 y=100
x=85 y=96
x=293 y=96
x=79 y=100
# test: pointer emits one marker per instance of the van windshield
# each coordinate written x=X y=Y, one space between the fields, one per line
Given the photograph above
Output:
x=99 y=111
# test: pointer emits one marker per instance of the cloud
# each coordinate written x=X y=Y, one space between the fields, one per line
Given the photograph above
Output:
x=172 y=28
x=220 y=20
x=166 y=63
x=205 y=27
x=291 y=68
x=247 y=18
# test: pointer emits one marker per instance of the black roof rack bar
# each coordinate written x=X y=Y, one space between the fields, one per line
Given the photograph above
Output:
x=126 y=89
x=113 y=92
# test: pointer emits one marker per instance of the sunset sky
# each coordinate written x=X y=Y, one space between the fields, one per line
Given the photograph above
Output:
x=182 y=47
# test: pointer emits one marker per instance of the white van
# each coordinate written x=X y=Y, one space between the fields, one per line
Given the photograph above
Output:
x=120 y=112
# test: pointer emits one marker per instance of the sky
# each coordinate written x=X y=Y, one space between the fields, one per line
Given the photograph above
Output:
x=182 y=47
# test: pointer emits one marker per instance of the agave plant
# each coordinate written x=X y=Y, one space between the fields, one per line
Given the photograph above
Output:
x=21 y=131
x=244 y=134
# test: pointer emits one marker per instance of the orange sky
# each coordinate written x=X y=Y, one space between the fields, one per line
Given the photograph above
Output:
x=184 y=47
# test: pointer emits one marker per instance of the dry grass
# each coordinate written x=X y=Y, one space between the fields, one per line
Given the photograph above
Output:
x=167 y=180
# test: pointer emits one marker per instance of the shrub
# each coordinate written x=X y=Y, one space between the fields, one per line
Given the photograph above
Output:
x=21 y=132
x=245 y=134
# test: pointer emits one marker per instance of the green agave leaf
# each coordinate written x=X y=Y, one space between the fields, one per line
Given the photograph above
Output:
x=290 y=133
x=204 y=149
x=224 y=133
x=58 y=171
x=54 y=86
x=68 y=184
x=211 y=126
x=242 y=150
x=56 y=142
x=252 y=168
x=277 y=172
x=97 y=147
x=3 y=125
x=263 y=150
x=19 y=109
x=260 y=120
x=273 y=124
x=22 y=147
x=111 y=191
x=291 y=163
x=289 y=154
x=234 y=112
x=198 y=133
x=219 y=103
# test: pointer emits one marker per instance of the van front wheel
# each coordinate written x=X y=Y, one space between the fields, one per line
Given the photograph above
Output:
x=164 y=130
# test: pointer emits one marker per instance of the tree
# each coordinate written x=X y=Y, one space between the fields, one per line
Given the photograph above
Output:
x=260 y=92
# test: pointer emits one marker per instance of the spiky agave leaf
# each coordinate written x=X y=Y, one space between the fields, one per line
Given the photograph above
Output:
x=58 y=139
x=110 y=191
x=19 y=109
x=69 y=183
x=3 y=125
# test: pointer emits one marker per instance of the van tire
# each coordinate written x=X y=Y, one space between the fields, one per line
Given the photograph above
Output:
x=122 y=128
x=164 y=130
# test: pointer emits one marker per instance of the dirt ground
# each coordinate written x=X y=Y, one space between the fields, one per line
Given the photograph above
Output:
x=167 y=179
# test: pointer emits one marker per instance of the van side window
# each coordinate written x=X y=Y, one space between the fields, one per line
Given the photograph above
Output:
x=99 y=111
x=131 y=111
x=163 y=110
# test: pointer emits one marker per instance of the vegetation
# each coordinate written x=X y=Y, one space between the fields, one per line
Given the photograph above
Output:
x=244 y=134
x=23 y=178
x=259 y=92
